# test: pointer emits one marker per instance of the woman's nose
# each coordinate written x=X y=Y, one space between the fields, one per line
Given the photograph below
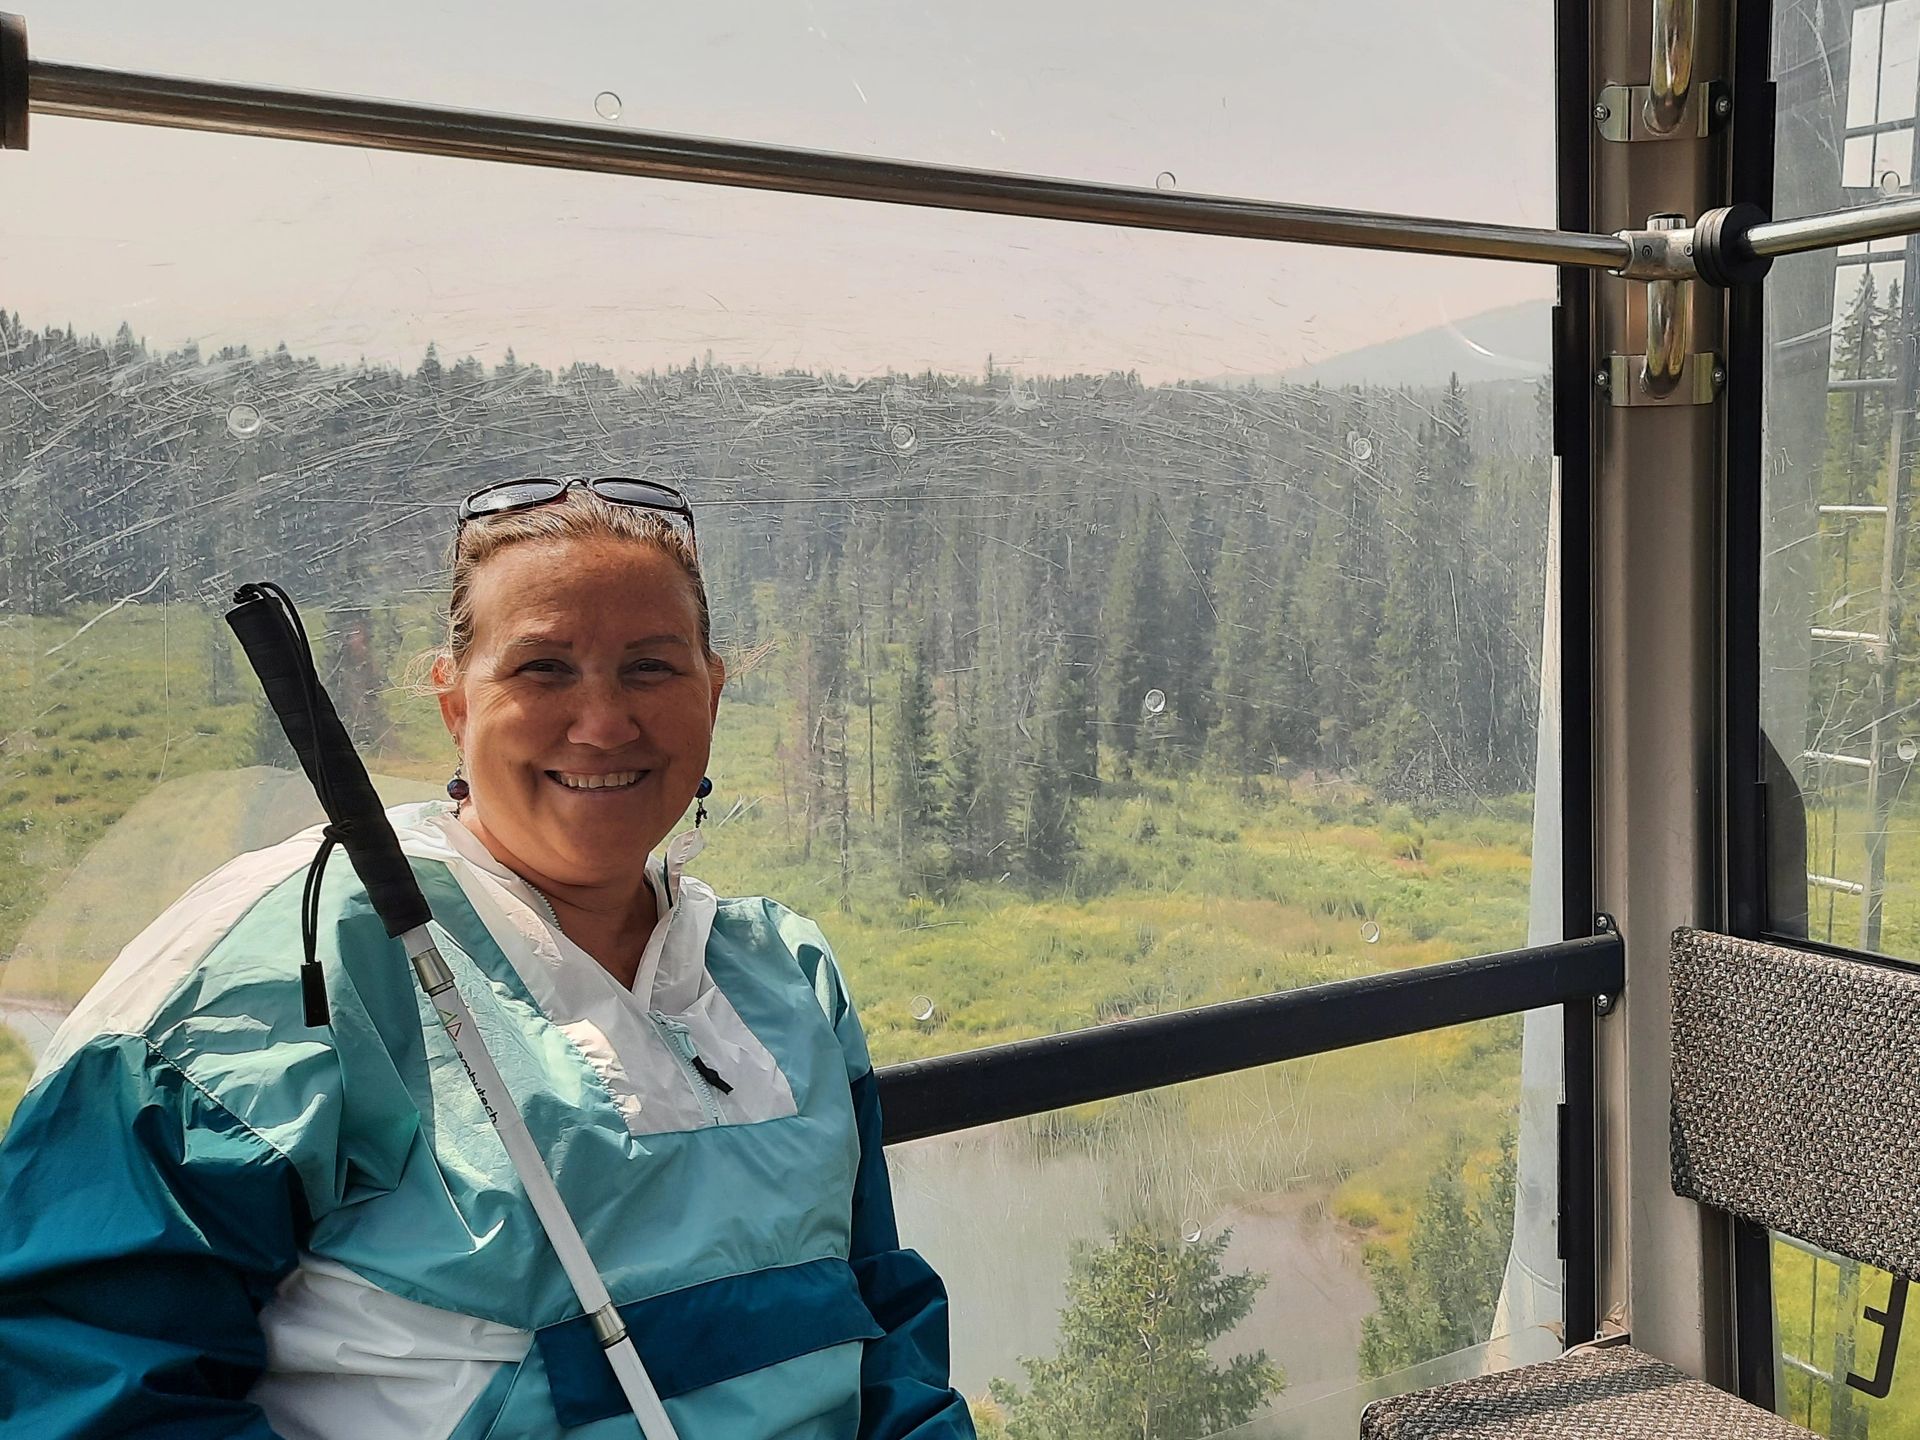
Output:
x=604 y=717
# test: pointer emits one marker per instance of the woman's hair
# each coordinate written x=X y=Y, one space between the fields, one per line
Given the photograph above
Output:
x=577 y=515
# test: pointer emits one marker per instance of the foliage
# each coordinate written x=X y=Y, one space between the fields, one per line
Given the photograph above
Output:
x=1441 y=1297
x=1133 y=1362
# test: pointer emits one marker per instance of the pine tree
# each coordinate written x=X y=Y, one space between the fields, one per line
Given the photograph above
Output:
x=1135 y=620
x=1134 y=1361
x=1244 y=680
x=968 y=823
x=1049 y=839
x=1422 y=741
x=1441 y=1298
x=914 y=763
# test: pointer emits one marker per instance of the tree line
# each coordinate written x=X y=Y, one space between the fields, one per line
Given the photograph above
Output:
x=984 y=598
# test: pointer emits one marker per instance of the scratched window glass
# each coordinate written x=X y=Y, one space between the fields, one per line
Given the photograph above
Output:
x=1116 y=622
x=1839 y=647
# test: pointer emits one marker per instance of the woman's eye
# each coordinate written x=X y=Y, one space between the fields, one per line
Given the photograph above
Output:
x=650 y=667
x=542 y=667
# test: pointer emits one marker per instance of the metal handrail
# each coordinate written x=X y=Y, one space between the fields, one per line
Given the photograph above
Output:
x=1674 y=29
x=1029 y=1077
x=1887 y=221
x=84 y=92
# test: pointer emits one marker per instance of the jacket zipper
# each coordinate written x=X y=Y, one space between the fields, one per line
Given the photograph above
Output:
x=701 y=1078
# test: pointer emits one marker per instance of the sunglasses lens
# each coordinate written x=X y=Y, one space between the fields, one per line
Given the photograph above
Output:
x=516 y=495
x=640 y=492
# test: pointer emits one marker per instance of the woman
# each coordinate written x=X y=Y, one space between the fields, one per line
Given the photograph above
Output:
x=217 y=1221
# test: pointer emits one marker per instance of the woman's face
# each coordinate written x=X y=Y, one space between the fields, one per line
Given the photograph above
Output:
x=585 y=707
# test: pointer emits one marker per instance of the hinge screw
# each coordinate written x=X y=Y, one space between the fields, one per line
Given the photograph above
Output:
x=1603 y=1004
x=1602 y=113
x=1719 y=376
x=1723 y=105
x=1603 y=378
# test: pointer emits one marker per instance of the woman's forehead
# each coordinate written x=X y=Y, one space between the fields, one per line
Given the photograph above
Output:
x=573 y=585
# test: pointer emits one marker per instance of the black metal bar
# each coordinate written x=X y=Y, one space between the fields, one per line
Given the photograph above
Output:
x=1579 y=1180
x=1029 y=1077
x=13 y=83
x=1573 y=421
x=1892 y=1321
x=1750 y=764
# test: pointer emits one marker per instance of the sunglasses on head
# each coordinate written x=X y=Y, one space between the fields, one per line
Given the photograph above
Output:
x=508 y=496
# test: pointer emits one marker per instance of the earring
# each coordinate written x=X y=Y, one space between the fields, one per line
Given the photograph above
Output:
x=699 y=810
x=457 y=787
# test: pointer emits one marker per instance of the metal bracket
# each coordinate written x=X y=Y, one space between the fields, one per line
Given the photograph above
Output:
x=1663 y=252
x=13 y=82
x=1700 y=379
x=1620 y=113
x=1891 y=1321
x=1669 y=373
x=1604 y=924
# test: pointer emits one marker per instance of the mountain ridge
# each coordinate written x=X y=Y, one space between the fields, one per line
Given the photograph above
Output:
x=1512 y=342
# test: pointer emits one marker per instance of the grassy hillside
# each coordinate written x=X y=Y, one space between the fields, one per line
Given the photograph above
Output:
x=1187 y=889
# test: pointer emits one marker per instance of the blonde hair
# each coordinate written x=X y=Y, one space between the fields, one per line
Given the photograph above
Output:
x=577 y=515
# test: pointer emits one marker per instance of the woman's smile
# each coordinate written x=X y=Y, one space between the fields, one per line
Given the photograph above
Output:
x=608 y=783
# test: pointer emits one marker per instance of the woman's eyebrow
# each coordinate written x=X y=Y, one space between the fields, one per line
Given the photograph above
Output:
x=549 y=642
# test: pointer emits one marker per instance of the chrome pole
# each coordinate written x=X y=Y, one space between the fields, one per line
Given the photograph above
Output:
x=1674 y=29
x=83 y=92
x=1842 y=227
x=1669 y=322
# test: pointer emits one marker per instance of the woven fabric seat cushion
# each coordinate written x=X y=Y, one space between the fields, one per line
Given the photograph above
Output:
x=1614 y=1393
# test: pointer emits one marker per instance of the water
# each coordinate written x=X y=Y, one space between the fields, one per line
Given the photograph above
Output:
x=999 y=1221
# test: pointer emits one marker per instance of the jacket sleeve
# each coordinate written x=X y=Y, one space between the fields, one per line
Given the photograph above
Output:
x=904 y=1389
x=143 y=1226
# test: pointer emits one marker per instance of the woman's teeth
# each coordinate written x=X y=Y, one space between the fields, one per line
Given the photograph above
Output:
x=618 y=781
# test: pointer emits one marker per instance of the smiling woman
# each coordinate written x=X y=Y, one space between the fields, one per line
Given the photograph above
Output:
x=580 y=685
x=355 y=1253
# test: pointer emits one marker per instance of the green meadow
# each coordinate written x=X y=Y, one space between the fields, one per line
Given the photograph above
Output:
x=1186 y=889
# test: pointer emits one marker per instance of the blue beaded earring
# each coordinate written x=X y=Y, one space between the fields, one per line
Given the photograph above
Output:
x=457 y=787
x=699 y=810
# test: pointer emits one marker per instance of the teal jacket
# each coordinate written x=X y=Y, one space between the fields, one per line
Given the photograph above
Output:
x=215 y=1221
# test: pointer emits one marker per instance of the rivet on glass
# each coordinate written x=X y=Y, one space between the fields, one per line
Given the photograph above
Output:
x=902 y=437
x=243 y=421
x=922 y=1008
x=1370 y=932
x=1165 y=180
x=1153 y=702
x=607 y=105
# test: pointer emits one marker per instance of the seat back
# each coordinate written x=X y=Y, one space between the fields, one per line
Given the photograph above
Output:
x=1796 y=1094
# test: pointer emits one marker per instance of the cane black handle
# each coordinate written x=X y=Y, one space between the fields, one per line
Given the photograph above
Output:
x=326 y=752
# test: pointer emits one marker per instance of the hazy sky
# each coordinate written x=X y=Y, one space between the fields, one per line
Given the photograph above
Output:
x=1391 y=104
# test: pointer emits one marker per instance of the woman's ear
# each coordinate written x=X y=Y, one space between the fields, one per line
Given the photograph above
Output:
x=453 y=699
x=717 y=675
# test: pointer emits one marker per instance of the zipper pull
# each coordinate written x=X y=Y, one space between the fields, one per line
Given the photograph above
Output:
x=690 y=1052
x=710 y=1075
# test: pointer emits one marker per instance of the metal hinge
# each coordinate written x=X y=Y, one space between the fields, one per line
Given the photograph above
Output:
x=1620 y=113
x=1701 y=376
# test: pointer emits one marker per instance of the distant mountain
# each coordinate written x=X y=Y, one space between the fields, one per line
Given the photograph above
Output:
x=1512 y=343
